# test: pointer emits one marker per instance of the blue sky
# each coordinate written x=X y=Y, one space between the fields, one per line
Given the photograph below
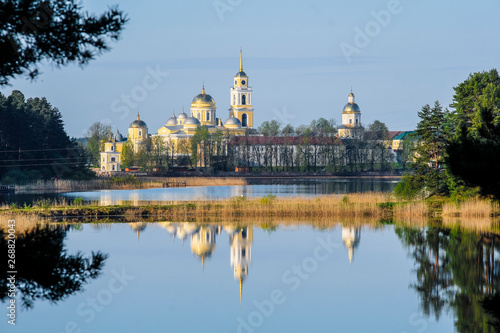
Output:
x=302 y=58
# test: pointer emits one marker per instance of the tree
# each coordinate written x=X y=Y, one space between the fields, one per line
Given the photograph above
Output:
x=270 y=128
x=379 y=130
x=128 y=155
x=58 y=31
x=430 y=151
x=34 y=144
x=474 y=150
x=95 y=137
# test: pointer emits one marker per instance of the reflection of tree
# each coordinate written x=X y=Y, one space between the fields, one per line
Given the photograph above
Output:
x=44 y=269
x=456 y=270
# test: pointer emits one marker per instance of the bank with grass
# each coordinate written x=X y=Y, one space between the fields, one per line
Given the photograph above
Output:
x=357 y=206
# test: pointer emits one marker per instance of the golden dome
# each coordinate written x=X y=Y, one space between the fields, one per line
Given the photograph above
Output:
x=203 y=100
x=138 y=122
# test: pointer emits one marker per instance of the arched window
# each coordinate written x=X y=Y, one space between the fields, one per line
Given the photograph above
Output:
x=208 y=116
x=244 y=120
x=350 y=121
x=234 y=100
x=140 y=133
x=112 y=148
x=243 y=100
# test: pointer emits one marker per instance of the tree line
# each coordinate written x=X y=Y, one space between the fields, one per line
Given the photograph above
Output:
x=458 y=151
x=34 y=144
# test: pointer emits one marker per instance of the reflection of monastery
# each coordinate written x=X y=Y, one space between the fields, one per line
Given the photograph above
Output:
x=203 y=241
x=178 y=129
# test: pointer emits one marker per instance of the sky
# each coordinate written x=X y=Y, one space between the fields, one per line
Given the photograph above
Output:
x=302 y=58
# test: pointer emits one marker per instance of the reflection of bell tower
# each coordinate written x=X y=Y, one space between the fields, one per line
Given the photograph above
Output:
x=203 y=242
x=241 y=253
x=138 y=227
x=351 y=237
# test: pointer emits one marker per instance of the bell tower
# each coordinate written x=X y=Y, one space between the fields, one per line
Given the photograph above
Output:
x=241 y=98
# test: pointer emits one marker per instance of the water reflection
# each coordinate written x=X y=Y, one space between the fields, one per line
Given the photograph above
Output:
x=351 y=237
x=456 y=270
x=45 y=271
x=295 y=187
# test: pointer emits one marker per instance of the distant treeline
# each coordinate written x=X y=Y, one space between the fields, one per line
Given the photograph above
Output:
x=34 y=144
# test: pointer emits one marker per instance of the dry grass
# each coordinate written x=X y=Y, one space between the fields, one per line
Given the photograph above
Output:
x=42 y=186
x=23 y=224
x=472 y=208
x=411 y=210
x=320 y=207
x=202 y=181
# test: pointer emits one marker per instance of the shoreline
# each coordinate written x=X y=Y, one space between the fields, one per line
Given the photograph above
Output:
x=350 y=207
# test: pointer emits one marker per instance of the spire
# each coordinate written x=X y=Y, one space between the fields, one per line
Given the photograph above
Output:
x=138 y=116
x=241 y=60
x=203 y=89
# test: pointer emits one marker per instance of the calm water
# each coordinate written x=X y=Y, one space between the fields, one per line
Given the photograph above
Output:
x=182 y=277
x=276 y=187
x=290 y=188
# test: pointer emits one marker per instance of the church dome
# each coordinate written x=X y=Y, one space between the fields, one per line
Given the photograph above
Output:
x=183 y=115
x=118 y=136
x=172 y=121
x=241 y=74
x=203 y=100
x=138 y=122
x=232 y=122
x=192 y=121
x=351 y=107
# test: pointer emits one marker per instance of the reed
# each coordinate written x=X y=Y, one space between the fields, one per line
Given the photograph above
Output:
x=411 y=210
x=471 y=208
x=202 y=181
x=23 y=223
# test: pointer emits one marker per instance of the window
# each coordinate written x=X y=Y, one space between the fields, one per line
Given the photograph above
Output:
x=243 y=100
x=208 y=116
x=140 y=133
x=244 y=120
x=350 y=121
x=112 y=148
x=357 y=121
x=243 y=253
x=112 y=159
x=113 y=168
x=234 y=99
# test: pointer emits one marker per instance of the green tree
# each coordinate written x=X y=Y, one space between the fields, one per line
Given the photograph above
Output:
x=34 y=144
x=379 y=131
x=97 y=134
x=474 y=150
x=128 y=155
x=49 y=30
x=270 y=128
x=430 y=151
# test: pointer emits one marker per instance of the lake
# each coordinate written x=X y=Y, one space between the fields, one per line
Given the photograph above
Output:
x=186 y=277
x=257 y=188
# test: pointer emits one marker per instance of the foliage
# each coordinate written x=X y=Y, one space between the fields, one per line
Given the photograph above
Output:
x=95 y=137
x=34 y=144
x=429 y=174
x=408 y=187
x=270 y=128
x=378 y=130
x=59 y=31
x=474 y=150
